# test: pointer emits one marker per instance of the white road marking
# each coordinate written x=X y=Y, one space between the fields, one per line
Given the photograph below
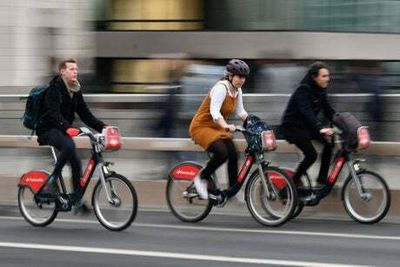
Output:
x=170 y=255
x=232 y=230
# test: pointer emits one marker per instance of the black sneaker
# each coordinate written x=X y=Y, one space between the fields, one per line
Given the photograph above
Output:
x=80 y=208
x=219 y=199
x=222 y=200
x=318 y=186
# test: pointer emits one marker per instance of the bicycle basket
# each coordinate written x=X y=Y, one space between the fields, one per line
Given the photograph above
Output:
x=112 y=138
x=354 y=135
x=260 y=137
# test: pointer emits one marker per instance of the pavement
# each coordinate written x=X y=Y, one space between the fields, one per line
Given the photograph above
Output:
x=157 y=238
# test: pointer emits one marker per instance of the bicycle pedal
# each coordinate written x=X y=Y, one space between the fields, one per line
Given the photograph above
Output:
x=217 y=200
x=310 y=200
x=45 y=198
x=187 y=194
x=63 y=203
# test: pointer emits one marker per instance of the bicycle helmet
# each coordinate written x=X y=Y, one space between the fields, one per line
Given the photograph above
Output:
x=238 y=67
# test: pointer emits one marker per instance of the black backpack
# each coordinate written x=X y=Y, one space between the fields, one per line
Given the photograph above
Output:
x=349 y=124
x=34 y=107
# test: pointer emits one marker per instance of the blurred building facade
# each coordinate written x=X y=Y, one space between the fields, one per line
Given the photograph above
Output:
x=281 y=30
x=34 y=34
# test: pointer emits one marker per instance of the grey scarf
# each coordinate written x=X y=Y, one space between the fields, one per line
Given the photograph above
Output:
x=72 y=88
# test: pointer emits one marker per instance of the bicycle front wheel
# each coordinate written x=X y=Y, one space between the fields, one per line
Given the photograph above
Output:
x=184 y=202
x=118 y=212
x=35 y=212
x=275 y=206
x=372 y=204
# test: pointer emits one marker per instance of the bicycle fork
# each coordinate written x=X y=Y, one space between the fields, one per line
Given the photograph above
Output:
x=265 y=180
x=103 y=170
x=354 y=166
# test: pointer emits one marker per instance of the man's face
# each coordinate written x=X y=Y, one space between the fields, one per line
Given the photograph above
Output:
x=323 y=78
x=70 y=73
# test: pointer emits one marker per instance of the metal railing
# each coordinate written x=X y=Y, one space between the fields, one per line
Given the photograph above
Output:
x=183 y=144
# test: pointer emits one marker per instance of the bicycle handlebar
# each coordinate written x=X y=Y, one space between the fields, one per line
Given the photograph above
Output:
x=86 y=132
x=241 y=129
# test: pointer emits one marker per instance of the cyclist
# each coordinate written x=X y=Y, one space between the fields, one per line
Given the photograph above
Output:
x=210 y=130
x=62 y=99
x=300 y=122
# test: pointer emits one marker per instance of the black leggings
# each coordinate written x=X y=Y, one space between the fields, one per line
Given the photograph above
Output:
x=67 y=153
x=310 y=156
x=222 y=150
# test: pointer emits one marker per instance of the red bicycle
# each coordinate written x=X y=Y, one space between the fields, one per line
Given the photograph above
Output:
x=270 y=194
x=114 y=198
x=365 y=194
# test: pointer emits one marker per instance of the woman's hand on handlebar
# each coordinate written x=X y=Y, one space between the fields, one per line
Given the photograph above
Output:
x=327 y=131
x=230 y=127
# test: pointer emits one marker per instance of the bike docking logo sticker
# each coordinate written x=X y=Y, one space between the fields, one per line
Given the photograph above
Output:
x=34 y=179
x=185 y=172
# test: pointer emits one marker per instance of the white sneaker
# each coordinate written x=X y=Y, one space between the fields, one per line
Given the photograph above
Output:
x=201 y=187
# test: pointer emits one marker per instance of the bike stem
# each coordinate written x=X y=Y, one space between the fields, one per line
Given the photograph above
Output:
x=53 y=152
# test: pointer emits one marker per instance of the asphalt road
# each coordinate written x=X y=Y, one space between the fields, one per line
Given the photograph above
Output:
x=158 y=239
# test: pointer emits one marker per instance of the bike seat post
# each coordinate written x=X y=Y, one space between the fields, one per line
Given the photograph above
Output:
x=53 y=152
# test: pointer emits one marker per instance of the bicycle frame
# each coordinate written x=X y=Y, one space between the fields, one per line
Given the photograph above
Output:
x=188 y=170
x=341 y=158
x=36 y=180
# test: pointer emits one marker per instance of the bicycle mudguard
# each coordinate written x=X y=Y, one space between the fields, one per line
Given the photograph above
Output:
x=277 y=179
x=304 y=180
x=289 y=172
x=34 y=180
x=185 y=170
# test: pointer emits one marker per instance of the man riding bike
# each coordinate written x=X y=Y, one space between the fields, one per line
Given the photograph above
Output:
x=62 y=99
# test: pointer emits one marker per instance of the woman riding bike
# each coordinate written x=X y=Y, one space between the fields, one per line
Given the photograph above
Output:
x=210 y=130
x=301 y=125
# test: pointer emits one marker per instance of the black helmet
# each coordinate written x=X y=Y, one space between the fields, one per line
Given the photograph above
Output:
x=238 y=67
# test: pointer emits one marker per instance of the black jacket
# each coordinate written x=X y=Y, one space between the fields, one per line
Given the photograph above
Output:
x=59 y=109
x=301 y=114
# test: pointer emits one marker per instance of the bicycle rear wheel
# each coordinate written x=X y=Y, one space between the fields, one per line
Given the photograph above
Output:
x=37 y=213
x=184 y=202
x=120 y=213
x=373 y=205
x=275 y=207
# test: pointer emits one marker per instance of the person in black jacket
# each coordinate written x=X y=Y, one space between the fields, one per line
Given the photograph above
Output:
x=55 y=127
x=300 y=122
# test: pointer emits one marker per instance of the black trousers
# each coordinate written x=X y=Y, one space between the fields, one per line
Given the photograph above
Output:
x=310 y=156
x=223 y=150
x=67 y=153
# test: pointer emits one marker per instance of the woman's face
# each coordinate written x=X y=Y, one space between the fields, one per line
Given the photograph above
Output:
x=323 y=78
x=238 y=81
